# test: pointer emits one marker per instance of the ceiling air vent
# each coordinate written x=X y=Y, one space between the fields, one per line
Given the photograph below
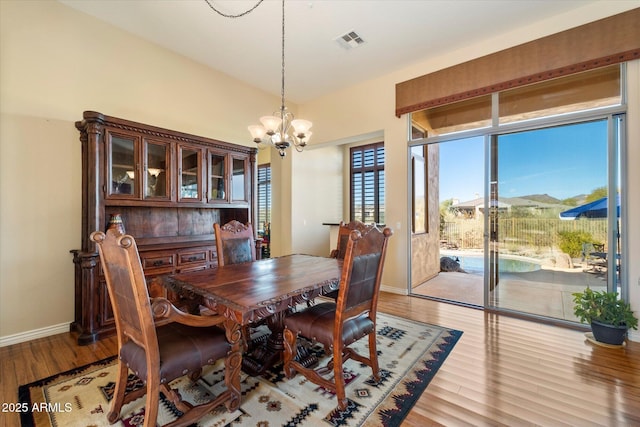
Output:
x=350 y=40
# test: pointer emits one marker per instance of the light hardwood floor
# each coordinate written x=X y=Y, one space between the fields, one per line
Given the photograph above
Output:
x=504 y=371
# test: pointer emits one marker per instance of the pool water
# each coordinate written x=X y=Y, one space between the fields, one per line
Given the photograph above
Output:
x=475 y=264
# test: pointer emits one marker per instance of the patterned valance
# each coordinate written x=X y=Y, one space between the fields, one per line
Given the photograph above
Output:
x=604 y=42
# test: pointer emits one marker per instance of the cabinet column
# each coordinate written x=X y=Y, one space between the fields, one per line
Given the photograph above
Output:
x=91 y=136
x=86 y=322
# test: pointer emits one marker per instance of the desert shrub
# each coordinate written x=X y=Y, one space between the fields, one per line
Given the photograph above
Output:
x=570 y=242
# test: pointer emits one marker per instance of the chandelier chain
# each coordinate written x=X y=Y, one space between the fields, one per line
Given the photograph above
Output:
x=233 y=16
x=282 y=90
x=280 y=130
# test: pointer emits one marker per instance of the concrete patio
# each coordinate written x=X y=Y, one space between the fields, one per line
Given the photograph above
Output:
x=545 y=292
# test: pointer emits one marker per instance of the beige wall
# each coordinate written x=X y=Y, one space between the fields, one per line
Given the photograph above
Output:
x=369 y=107
x=39 y=221
x=56 y=63
x=359 y=114
x=317 y=182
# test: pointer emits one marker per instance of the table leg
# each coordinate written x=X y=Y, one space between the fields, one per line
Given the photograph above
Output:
x=264 y=353
x=232 y=363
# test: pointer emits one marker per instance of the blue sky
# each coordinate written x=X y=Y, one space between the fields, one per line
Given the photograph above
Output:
x=562 y=161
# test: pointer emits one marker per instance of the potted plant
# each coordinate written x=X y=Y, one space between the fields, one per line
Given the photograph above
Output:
x=609 y=316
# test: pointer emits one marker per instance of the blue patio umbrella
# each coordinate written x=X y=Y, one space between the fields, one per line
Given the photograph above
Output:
x=598 y=209
x=595 y=209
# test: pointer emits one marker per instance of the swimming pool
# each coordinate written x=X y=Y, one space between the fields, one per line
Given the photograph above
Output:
x=475 y=264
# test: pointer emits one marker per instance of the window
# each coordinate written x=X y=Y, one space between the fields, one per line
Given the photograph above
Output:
x=264 y=197
x=367 y=183
x=474 y=113
x=588 y=90
x=577 y=92
x=504 y=191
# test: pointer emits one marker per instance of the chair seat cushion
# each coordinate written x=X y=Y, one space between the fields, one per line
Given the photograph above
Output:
x=183 y=350
x=317 y=323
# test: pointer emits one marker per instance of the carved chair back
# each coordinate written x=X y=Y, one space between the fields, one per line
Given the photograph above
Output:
x=361 y=274
x=158 y=353
x=127 y=288
x=235 y=243
x=343 y=237
x=344 y=230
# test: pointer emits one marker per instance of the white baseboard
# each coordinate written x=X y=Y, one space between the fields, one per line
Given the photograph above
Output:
x=33 y=334
x=633 y=335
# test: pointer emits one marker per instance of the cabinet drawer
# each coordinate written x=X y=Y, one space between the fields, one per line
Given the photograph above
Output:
x=192 y=267
x=154 y=263
x=197 y=256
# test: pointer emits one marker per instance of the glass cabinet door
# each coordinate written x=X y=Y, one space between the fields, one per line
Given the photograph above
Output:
x=239 y=179
x=157 y=164
x=121 y=157
x=189 y=174
x=217 y=177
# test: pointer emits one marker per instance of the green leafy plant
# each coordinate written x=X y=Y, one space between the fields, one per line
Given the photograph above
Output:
x=570 y=242
x=604 y=307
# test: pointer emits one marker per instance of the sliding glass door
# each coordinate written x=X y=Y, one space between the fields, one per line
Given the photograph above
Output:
x=527 y=218
x=546 y=222
x=550 y=232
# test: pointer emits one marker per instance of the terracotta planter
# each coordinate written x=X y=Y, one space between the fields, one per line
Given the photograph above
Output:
x=608 y=334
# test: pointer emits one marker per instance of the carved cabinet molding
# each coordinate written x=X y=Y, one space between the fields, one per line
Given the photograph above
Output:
x=169 y=188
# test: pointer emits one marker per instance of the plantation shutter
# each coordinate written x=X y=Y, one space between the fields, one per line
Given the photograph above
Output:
x=367 y=183
x=264 y=196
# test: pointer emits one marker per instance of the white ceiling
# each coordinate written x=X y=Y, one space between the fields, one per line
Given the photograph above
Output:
x=397 y=33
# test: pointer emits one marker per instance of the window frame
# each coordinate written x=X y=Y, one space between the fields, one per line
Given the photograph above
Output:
x=263 y=182
x=379 y=190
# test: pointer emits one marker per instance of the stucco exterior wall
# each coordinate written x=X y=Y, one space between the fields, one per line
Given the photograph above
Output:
x=425 y=248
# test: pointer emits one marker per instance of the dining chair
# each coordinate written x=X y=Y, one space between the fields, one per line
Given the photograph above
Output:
x=594 y=256
x=343 y=237
x=337 y=325
x=156 y=341
x=344 y=229
x=235 y=242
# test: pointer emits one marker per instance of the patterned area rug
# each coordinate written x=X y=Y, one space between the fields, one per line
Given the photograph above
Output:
x=410 y=354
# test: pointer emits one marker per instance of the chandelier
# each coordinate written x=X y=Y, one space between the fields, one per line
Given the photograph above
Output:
x=282 y=129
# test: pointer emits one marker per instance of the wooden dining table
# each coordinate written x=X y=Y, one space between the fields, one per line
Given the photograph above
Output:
x=249 y=293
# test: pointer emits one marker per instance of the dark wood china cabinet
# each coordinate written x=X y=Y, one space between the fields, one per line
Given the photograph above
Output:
x=169 y=188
